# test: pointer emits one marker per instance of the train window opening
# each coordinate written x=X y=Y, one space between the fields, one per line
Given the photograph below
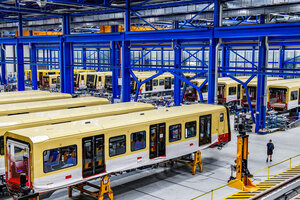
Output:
x=161 y=82
x=294 y=95
x=60 y=158
x=17 y=161
x=82 y=77
x=174 y=133
x=205 y=130
x=277 y=96
x=2 y=145
x=221 y=117
x=239 y=92
x=204 y=89
x=149 y=86
x=155 y=82
x=138 y=141
x=168 y=83
x=232 y=91
x=173 y=81
x=157 y=140
x=117 y=145
x=190 y=129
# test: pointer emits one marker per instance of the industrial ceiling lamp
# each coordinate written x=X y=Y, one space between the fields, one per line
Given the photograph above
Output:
x=41 y=3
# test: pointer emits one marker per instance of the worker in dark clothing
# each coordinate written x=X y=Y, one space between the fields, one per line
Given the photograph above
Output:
x=270 y=148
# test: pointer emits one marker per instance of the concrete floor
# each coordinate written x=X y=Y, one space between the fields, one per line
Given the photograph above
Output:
x=178 y=182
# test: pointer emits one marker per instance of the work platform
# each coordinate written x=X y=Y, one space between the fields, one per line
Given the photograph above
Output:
x=268 y=184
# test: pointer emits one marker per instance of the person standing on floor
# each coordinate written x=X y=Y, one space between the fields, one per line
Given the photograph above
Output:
x=270 y=148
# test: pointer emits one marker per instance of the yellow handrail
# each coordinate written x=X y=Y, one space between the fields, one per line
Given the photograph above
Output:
x=211 y=191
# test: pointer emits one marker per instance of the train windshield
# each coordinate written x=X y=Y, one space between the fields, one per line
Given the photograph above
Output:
x=17 y=162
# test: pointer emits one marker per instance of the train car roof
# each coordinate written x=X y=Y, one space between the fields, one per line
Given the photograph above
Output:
x=286 y=84
x=50 y=105
x=57 y=116
x=273 y=82
x=22 y=93
x=48 y=132
x=33 y=97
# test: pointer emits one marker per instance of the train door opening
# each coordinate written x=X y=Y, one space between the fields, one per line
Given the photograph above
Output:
x=168 y=83
x=221 y=93
x=149 y=86
x=157 y=140
x=18 y=162
x=239 y=92
x=93 y=155
x=205 y=130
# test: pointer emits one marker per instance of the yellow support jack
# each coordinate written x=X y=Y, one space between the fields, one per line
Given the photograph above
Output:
x=197 y=161
x=103 y=189
x=242 y=180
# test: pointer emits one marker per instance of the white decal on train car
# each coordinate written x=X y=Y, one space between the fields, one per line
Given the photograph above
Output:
x=57 y=180
x=127 y=162
x=292 y=105
x=186 y=147
x=2 y=165
x=231 y=98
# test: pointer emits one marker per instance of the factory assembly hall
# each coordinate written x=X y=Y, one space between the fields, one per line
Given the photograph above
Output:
x=150 y=99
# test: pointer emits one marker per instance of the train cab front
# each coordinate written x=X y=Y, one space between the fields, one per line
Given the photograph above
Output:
x=18 y=167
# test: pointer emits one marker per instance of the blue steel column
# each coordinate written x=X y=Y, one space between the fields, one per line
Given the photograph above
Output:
x=177 y=63
x=212 y=87
x=115 y=62
x=225 y=60
x=66 y=70
x=126 y=58
x=3 y=66
x=33 y=67
x=281 y=61
x=20 y=58
x=84 y=57
x=261 y=83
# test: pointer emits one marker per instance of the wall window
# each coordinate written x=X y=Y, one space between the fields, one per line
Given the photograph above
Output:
x=161 y=81
x=155 y=82
x=138 y=140
x=60 y=158
x=175 y=133
x=190 y=129
x=117 y=145
x=221 y=117
x=294 y=95
x=232 y=90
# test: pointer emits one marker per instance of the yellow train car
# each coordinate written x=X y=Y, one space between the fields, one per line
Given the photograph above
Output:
x=22 y=93
x=284 y=96
x=56 y=156
x=8 y=123
x=230 y=91
x=32 y=98
x=252 y=88
x=94 y=80
x=30 y=107
x=49 y=82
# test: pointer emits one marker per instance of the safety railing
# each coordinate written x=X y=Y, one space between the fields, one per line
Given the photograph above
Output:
x=211 y=192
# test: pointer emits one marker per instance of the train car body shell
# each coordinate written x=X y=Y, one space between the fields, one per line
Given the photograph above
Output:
x=30 y=107
x=40 y=139
x=33 y=97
